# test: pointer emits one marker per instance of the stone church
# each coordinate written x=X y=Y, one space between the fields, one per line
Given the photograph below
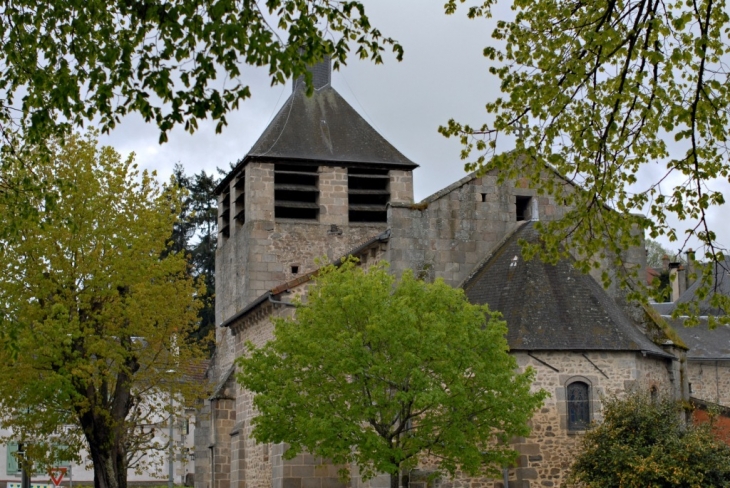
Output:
x=320 y=181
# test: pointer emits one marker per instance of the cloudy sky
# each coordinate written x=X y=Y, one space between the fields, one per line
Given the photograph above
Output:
x=443 y=75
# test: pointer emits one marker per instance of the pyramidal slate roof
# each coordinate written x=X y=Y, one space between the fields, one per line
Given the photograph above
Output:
x=552 y=307
x=322 y=128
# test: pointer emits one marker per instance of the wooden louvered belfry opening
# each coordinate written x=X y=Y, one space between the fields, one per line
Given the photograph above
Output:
x=240 y=203
x=368 y=194
x=225 y=214
x=296 y=192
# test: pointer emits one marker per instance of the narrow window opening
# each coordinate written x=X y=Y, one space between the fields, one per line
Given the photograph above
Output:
x=579 y=411
x=368 y=194
x=294 y=269
x=690 y=388
x=522 y=207
x=654 y=394
x=225 y=214
x=296 y=192
x=484 y=197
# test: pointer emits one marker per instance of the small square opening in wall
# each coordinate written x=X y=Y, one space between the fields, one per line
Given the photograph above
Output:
x=484 y=197
x=522 y=207
x=294 y=269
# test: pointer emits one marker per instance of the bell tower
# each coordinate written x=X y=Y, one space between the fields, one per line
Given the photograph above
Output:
x=316 y=184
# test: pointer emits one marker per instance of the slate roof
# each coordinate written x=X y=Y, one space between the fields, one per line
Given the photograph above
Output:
x=703 y=343
x=552 y=307
x=323 y=128
x=665 y=308
x=721 y=279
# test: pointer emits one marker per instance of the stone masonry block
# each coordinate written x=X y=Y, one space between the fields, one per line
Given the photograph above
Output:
x=311 y=482
x=332 y=482
x=302 y=471
x=292 y=483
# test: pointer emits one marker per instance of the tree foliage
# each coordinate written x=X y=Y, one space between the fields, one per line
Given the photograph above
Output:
x=655 y=253
x=96 y=318
x=66 y=62
x=195 y=233
x=384 y=373
x=601 y=92
x=646 y=443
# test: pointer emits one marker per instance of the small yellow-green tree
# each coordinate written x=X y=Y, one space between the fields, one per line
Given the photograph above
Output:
x=381 y=373
x=95 y=316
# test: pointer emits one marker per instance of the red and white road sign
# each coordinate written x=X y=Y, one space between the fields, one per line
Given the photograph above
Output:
x=57 y=475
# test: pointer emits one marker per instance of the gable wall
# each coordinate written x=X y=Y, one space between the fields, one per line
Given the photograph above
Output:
x=448 y=234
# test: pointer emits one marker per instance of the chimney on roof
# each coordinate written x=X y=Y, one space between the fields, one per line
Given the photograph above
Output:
x=321 y=75
x=691 y=267
x=676 y=275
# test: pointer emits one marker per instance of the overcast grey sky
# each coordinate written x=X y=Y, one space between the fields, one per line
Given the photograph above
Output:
x=443 y=75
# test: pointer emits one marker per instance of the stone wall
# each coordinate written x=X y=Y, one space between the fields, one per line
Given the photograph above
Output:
x=263 y=253
x=251 y=462
x=547 y=454
x=223 y=419
x=226 y=454
x=710 y=381
x=452 y=231
x=202 y=443
x=401 y=186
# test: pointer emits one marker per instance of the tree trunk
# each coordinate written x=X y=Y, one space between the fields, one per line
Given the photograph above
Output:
x=395 y=479
x=110 y=467
x=103 y=425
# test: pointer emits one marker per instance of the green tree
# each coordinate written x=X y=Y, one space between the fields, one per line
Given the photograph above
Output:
x=97 y=318
x=655 y=253
x=382 y=373
x=76 y=61
x=594 y=90
x=196 y=234
x=646 y=443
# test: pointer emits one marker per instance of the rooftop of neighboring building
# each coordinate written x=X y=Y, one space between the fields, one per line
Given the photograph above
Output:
x=703 y=342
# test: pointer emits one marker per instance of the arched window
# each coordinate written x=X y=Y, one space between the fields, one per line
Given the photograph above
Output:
x=579 y=408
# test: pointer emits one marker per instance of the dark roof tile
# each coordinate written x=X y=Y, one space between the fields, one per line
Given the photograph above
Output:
x=703 y=343
x=552 y=307
x=324 y=128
